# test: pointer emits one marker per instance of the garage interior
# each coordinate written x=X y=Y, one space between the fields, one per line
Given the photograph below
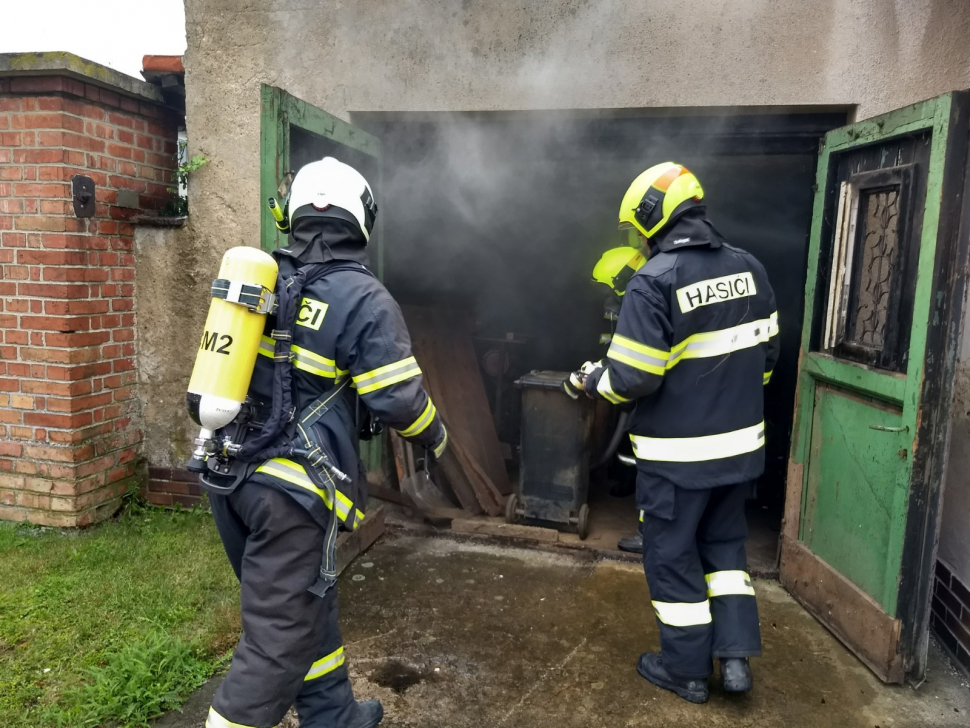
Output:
x=505 y=214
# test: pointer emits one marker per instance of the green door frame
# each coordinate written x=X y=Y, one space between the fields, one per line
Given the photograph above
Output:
x=889 y=634
x=279 y=113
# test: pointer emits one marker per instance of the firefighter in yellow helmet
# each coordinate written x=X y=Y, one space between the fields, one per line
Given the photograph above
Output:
x=614 y=269
x=695 y=343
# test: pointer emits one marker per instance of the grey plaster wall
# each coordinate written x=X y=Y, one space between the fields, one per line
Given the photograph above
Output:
x=172 y=300
x=462 y=55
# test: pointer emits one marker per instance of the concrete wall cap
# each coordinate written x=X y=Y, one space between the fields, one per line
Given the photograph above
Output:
x=68 y=64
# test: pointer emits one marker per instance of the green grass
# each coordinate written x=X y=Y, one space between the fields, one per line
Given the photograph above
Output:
x=113 y=625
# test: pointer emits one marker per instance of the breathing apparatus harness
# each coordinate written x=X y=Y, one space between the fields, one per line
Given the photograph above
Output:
x=282 y=434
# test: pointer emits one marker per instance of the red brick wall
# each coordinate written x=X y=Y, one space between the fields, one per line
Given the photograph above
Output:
x=173 y=487
x=68 y=432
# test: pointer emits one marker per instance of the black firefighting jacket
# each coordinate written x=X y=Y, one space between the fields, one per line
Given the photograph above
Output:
x=696 y=342
x=349 y=341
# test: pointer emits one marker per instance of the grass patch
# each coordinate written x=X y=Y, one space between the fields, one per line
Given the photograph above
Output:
x=112 y=625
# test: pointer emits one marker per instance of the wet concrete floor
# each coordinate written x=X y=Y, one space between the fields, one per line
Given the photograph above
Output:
x=455 y=634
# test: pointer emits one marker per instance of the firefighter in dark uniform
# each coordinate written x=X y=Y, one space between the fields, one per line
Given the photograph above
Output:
x=696 y=342
x=279 y=524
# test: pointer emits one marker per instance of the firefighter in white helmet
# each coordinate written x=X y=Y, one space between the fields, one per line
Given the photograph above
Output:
x=285 y=476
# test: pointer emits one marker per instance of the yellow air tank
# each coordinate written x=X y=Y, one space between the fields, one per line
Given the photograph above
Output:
x=241 y=298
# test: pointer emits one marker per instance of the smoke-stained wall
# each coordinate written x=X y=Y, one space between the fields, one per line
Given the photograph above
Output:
x=468 y=55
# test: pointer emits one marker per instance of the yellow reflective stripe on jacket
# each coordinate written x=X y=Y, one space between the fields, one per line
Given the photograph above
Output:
x=699 y=449
x=605 y=387
x=641 y=516
x=387 y=375
x=294 y=473
x=345 y=506
x=358 y=518
x=326 y=664
x=727 y=583
x=306 y=360
x=440 y=448
x=217 y=721
x=724 y=341
x=422 y=423
x=767 y=377
x=683 y=614
x=637 y=355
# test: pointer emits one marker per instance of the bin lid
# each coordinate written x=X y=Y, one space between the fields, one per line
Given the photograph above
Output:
x=544 y=379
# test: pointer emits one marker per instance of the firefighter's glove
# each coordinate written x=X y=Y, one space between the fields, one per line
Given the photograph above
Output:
x=573 y=386
x=592 y=378
x=578 y=381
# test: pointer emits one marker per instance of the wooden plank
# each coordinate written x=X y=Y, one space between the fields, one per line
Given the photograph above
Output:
x=454 y=472
x=851 y=614
x=793 y=500
x=491 y=501
x=400 y=459
x=382 y=492
x=442 y=344
x=350 y=544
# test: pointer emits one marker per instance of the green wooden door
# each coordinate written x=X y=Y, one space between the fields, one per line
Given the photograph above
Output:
x=293 y=133
x=883 y=312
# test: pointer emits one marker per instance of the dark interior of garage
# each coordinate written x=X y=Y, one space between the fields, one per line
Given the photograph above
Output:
x=505 y=215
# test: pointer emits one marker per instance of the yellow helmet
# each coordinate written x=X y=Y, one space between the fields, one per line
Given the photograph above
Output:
x=658 y=196
x=616 y=266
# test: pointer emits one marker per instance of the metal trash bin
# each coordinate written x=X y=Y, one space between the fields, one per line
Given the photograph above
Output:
x=555 y=437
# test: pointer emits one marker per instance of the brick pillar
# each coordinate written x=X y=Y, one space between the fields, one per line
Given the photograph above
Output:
x=69 y=440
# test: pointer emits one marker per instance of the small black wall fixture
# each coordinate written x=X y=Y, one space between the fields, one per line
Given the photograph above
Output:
x=82 y=188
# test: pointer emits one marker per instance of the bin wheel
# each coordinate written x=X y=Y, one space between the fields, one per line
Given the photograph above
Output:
x=511 y=505
x=582 y=523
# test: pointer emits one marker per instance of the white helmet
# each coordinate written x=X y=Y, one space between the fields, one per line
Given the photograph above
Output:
x=329 y=188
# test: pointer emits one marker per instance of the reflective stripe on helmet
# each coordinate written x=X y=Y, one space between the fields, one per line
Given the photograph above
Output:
x=699 y=449
x=653 y=197
x=728 y=583
x=683 y=614
x=387 y=375
x=326 y=664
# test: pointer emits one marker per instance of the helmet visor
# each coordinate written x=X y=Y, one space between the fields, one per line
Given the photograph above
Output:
x=629 y=236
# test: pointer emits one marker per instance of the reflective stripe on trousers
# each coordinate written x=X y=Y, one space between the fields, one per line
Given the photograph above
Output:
x=728 y=583
x=699 y=449
x=326 y=664
x=214 y=720
x=683 y=614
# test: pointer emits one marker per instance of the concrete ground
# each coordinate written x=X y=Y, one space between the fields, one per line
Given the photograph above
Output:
x=453 y=634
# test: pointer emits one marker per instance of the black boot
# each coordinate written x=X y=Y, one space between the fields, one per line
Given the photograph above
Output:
x=651 y=668
x=631 y=544
x=735 y=675
x=369 y=714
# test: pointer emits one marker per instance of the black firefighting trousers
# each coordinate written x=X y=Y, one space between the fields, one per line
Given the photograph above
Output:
x=696 y=569
x=290 y=651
